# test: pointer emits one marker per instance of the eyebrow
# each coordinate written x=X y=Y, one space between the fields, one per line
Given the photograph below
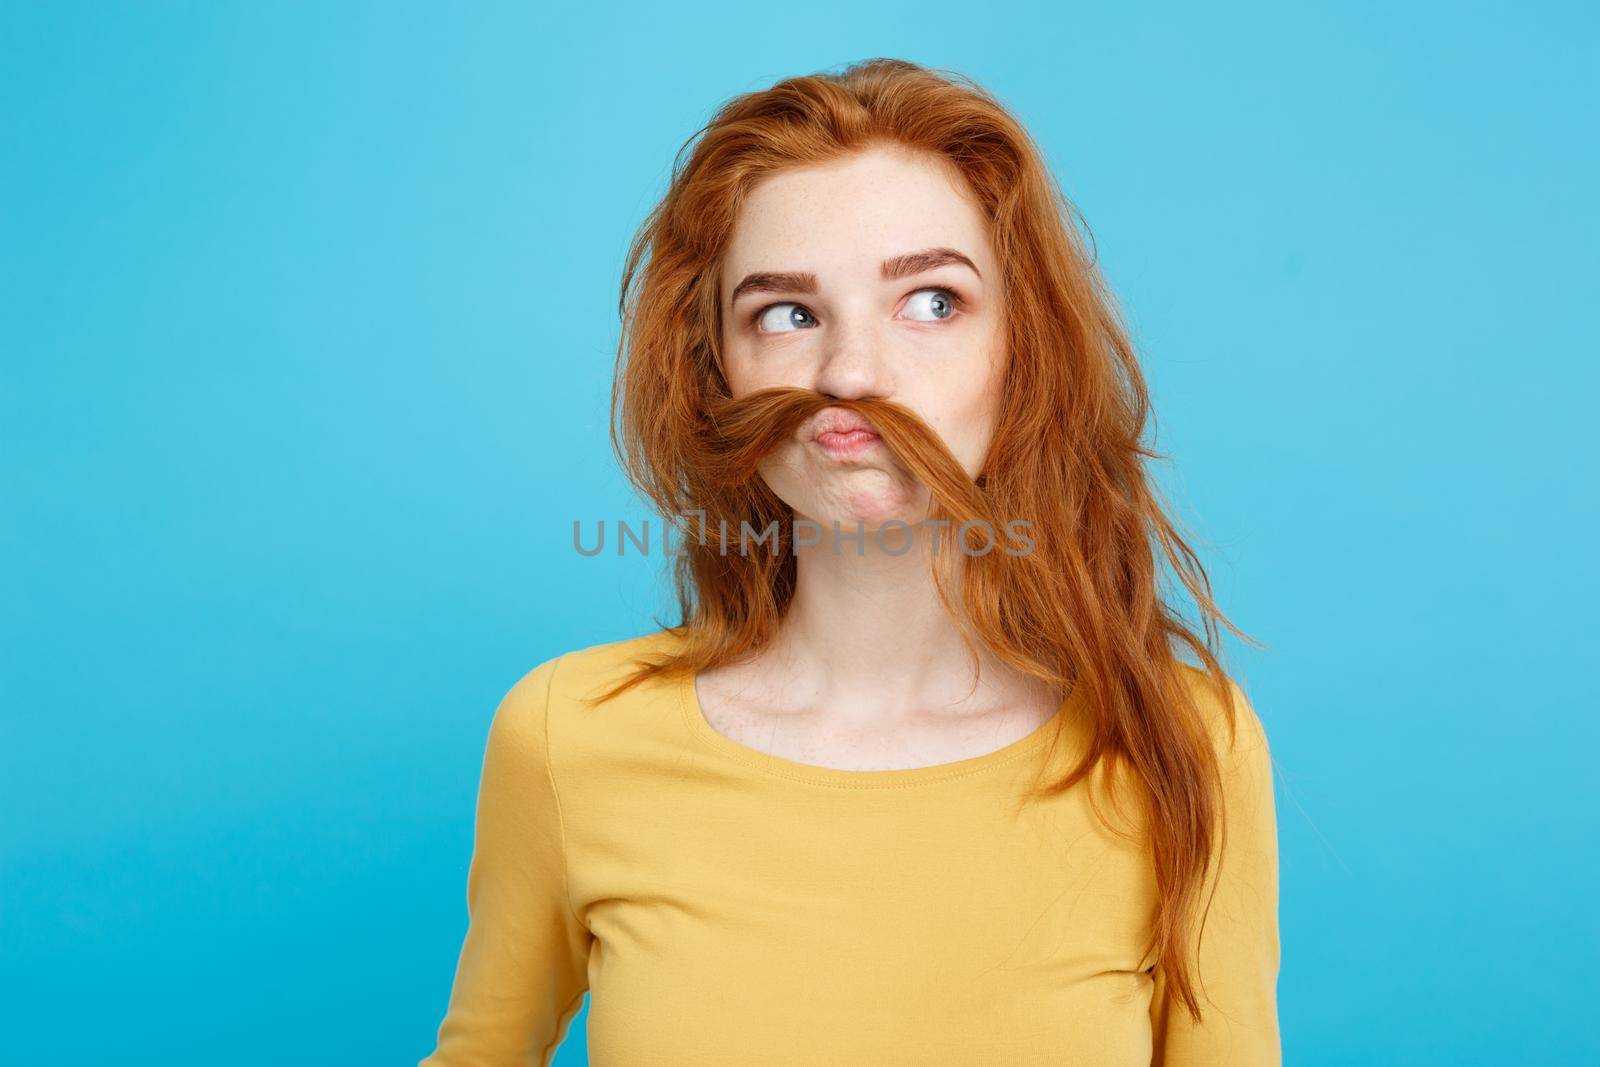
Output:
x=768 y=281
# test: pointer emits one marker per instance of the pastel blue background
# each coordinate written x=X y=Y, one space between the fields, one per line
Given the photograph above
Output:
x=310 y=313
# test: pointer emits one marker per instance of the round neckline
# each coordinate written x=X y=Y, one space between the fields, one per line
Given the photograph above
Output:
x=891 y=778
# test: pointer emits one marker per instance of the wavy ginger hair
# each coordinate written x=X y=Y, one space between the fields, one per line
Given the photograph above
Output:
x=1083 y=608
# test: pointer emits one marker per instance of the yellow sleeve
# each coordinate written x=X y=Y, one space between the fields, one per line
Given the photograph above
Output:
x=1239 y=951
x=523 y=966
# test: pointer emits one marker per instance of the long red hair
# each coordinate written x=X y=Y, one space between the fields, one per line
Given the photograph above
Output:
x=1084 y=607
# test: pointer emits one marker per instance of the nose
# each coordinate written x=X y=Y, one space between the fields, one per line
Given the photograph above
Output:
x=853 y=364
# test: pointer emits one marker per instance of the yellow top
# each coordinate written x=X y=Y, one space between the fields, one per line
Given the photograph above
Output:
x=724 y=906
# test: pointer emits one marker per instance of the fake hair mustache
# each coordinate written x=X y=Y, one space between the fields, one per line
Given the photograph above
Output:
x=738 y=433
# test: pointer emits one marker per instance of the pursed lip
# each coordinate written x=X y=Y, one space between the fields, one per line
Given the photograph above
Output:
x=843 y=434
x=839 y=421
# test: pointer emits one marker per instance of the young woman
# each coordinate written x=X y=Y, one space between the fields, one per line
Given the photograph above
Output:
x=919 y=777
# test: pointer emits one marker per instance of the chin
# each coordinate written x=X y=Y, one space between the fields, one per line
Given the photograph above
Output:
x=870 y=505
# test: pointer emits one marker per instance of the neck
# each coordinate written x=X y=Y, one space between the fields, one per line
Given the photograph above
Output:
x=867 y=633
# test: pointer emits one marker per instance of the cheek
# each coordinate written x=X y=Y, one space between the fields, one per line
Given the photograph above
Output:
x=983 y=406
x=747 y=367
x=746 y=376
x=966 y=418
x=732 y=363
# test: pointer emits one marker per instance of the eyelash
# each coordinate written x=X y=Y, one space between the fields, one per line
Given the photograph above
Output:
x=754 y=319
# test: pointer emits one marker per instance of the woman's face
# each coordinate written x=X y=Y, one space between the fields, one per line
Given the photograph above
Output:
x=870 y=276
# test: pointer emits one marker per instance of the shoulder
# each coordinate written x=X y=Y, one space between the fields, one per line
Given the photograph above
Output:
x=581 y=668
x=555 y=689
x=555 y=695
x=1236 y=730
x=1244 y=761
x=585 y=669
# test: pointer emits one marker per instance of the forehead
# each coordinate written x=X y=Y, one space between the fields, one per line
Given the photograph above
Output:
x=847 y=216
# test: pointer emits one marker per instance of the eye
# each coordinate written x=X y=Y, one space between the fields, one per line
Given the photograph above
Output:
x=933 y=305
x=768 y=319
